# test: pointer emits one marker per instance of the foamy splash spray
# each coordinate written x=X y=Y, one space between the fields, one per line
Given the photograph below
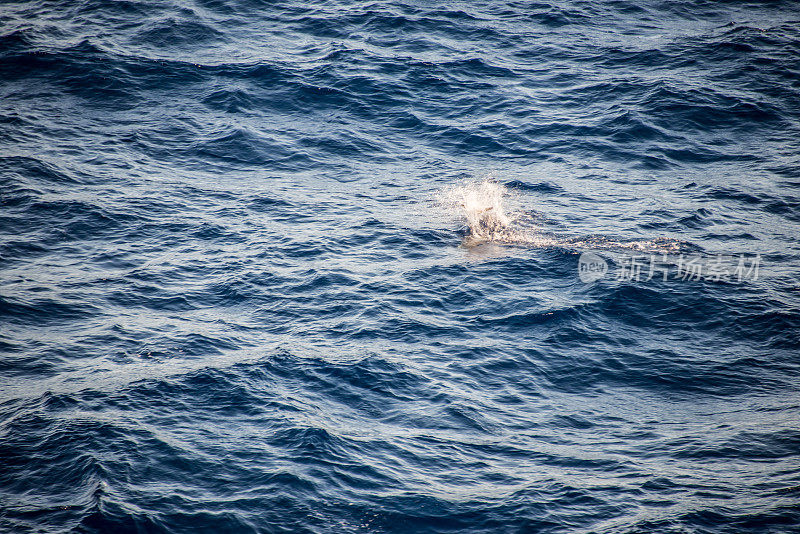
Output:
x=487 y=208
x=482 y=206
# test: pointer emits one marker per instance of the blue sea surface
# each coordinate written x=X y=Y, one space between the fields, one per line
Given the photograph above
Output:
x=388 y=266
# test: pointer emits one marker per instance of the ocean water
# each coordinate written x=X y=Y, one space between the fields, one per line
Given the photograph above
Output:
x=399 y=266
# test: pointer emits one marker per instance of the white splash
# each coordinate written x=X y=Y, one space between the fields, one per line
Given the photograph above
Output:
x=487 y=209
x=483 y=206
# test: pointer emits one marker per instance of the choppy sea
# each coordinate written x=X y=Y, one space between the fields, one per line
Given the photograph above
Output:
x=400 y=266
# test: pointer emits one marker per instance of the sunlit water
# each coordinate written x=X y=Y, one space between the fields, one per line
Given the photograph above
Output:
x=399 y=267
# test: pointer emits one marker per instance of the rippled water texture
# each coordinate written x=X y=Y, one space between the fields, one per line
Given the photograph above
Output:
x=313 y=266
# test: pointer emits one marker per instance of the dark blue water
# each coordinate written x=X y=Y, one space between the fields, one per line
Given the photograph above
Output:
x=313 y=266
